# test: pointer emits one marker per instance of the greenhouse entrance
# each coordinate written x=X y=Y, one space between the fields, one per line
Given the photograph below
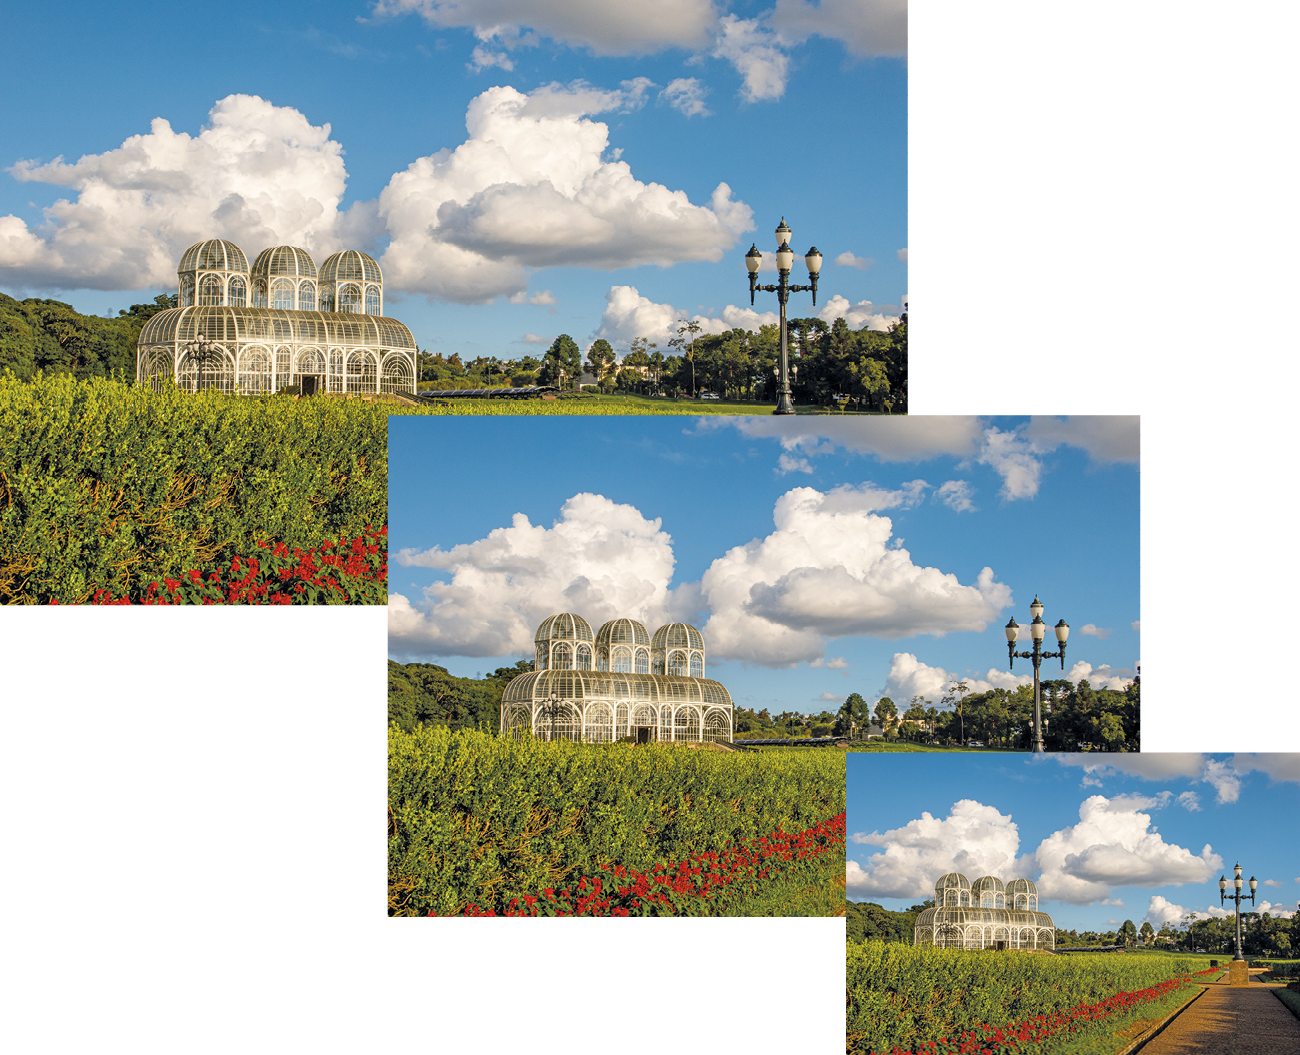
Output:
x=310 y=384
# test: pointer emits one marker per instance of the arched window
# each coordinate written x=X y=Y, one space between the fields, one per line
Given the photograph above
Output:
x=397 y=375
x=254 y=372
x=307 y=296
x=350 y=299
x=187 y=290
x=562 y=657
x=336 y=370
x=361 y=371
x=584 y=657
x=716 y=726
x=697 y=665
x=657 y=664
x=602 y=659
x=622 y=660
x=310 y=362
x=259 y=293
x=283 y=293
x=677 y=662
x=372 y=301
x=238 y=292
x=212 y=291
x=643 y=661
x=327 y=299
x=688 y=724
x=665 y=723
x=600 y=724
x=283 y=367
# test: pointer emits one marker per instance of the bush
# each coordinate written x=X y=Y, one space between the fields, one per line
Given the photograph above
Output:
x=106 y=486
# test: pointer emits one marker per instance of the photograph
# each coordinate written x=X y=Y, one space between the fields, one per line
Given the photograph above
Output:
x=1072 y=902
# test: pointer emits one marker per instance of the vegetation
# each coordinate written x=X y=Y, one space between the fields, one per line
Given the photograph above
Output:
x=1262 y=935
x=867 y=921
x=1079 y=717
x=424 y=693
x=48 y=336
x=479 y=819
x=749 y=724
x=106 y=486
x=901 y=997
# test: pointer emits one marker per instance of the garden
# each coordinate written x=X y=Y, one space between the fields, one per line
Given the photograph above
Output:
x=480 y=825
x=906 y=999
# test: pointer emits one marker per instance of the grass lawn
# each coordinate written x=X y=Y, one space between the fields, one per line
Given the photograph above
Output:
x=617 y=404
x=905 y=748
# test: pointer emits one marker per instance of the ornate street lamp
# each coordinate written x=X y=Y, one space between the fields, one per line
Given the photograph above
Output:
x=783 y=289
x=1237 y=898
x=1037 y=631
x=552 y=709
x=201 y=350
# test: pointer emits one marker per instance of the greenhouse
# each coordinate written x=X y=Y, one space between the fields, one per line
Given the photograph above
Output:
x=985 y=914
x=255 y=331
x=599 y=687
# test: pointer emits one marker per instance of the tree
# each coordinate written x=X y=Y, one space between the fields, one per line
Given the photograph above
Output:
x=954 y=697
x=1128 y=932
x=563 y=362
x=1148 y=932
x=886 y=714
x=687 y=345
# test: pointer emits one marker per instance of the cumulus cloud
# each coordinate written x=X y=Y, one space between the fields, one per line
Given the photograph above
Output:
x=957 y=495
x=829 y=570
x=1114 y=844
x=1190 y=801
x=830 y=664
x=902 y=254
x=1270 y=882
x=974 y=839
x=756 y=54
x=1092 y=630
x=1106 y=438
x=788 y=463
x=629 y=315
x=482 y=59
x=847 y=259
x=908 y=676
x=257 y=174
x=532 y=338
x=686 y=94
x=1014 y=459
x=605 y=28
x=523 y=297
x=530 y=188
x=1136 y=626
x=855 y=315
x=599 y=559
x=1161 y=911
x=1225 y=780
x=874 y=27
x=1277 y=767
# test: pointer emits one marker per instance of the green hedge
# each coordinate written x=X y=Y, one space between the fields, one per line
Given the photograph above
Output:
x=105 y=485
x=478 y=818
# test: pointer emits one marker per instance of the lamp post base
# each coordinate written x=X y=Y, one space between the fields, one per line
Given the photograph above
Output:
x=1238 y=972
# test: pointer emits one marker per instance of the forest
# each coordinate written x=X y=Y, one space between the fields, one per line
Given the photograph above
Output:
x=51 y=337
x=829 y=364
x=1076 y=717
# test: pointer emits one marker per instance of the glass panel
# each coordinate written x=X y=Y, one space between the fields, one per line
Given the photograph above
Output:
x=187 y=290
x=212 y=290
x=372 y=301
x=307 y=296
x=642 y=661
x=349 y=299
x=238 y=292
x=283 y=293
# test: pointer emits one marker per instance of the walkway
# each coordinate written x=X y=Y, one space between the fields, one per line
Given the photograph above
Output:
x=1231 y=1020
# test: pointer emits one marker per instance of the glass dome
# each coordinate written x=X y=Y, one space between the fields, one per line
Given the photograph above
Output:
x=284 y=260
x=350 y=265
x=677 y=635
x=988 y=892
x=213 y=254
x=563 y=627
x=623 y=632
x=981 y=916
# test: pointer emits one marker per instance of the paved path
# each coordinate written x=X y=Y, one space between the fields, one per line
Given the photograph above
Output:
x=1231 y=1020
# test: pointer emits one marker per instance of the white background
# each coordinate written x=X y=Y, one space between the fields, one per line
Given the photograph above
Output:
x=1103 y=220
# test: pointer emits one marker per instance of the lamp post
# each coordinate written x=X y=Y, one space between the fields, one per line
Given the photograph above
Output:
x=1037 y=631
x=783 y=289
x=1237 y=898
x=552 y=709
x=200 y=350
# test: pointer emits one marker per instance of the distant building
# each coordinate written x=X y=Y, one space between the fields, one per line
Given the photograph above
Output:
x=280 y=323
x=985 y=915
x=613 y=683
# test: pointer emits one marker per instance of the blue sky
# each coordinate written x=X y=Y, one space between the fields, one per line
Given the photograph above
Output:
x=589 y=192
x=1081 y=826
x=873 y=581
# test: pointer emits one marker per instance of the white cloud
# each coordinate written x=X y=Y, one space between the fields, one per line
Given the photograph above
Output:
x=867 y=27
x=483 y=59
x=1270 y=882
x=1223 y=778
x=957 y=494
x=787 y=463
x=902 y=254
x=855 y=315
x=1105 y=438
x=847 y=259
x=522 y=297
x=1092 y=630
x=686 y=94
x=756 y=55
x=1136 y=625
x=1190 y=801
x=896 y=440
x=258 y=174
x=529 y=188
x=532 y=338
x=1161 y=911
x=1114 y=845
x=1013 y=458
x=830 y=664
x=605 y=28
x=1277 y=767
x=629 y=315
x=1103 y=677
x=599 y=559
x=974 y=839
x=909 y=677
x=828 y=571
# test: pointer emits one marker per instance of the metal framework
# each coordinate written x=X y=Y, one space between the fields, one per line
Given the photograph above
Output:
x=984 y=915
x=599 y=687
x=262 y=332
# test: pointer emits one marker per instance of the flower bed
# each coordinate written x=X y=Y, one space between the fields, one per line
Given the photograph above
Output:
x=1016 y=1036
x=351 y=571
x=702 y=885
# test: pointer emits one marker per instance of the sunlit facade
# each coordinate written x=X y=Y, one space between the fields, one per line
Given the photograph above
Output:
x=604 y=686
x=985 y=914
x=280 y=323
